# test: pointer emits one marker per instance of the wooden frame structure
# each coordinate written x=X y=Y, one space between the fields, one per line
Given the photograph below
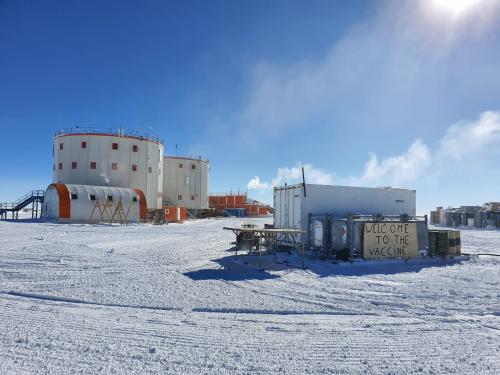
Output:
x=269 y=238
x=112 y=211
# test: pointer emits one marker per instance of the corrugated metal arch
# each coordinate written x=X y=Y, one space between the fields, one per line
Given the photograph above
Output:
x=142 y=203
x=64 y=200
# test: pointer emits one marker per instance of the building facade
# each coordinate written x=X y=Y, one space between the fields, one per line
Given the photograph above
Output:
x=185 y=182
x=110 y=158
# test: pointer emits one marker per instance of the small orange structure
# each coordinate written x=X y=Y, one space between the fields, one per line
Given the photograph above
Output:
x=227 y=201
x=174 y=214
x=251 y=206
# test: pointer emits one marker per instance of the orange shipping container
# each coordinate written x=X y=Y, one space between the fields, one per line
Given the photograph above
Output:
x=263 y=211
x=174 y=214
x=252 y=209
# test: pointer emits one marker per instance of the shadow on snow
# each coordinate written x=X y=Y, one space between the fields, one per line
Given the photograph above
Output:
x=239 y=268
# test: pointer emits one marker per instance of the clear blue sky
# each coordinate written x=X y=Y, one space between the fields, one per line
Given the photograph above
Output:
x=372 y=93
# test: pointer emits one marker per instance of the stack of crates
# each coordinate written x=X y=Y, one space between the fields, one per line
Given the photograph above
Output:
x=444 y=242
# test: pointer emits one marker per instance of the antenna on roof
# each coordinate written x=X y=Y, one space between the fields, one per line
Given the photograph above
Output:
x=304 y=182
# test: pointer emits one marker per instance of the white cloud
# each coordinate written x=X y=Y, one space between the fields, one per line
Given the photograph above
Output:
x=465 y=138
x=393 y=171
x=396 y=170
x=256 y=184
x=292 y=175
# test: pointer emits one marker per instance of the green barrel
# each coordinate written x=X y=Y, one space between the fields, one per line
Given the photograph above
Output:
x=458 y=243
x=432 y=240
x=443 y=243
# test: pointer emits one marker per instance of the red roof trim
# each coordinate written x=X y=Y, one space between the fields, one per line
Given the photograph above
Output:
x=184 y=158
x=110 y=135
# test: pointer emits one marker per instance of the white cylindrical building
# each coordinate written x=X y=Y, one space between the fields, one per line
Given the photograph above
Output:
x=110 y=158
x=185 y=182
x=93 y=204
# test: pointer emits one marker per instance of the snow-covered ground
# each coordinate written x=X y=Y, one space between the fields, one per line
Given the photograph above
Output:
x=172 y=299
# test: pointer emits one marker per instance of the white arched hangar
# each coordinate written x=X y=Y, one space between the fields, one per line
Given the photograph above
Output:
x=93 y=204
x=107 y=158
x=185 y=182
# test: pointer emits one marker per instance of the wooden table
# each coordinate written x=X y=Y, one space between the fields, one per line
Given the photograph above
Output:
x=250 y=237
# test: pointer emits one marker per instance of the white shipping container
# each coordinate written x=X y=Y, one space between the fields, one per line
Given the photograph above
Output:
x=292 y=207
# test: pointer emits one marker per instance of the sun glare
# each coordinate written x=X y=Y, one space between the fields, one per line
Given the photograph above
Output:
x=456 y=7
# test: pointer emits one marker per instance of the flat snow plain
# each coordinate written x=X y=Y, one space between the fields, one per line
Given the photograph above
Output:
x=172 y=299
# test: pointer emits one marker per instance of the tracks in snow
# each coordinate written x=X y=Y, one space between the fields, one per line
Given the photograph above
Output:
x=43 y=297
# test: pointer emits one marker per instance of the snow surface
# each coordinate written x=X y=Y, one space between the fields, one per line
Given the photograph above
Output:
x=173 y=299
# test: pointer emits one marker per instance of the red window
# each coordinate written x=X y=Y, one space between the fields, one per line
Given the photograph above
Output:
x=134 y=167
x=134 y=148
x=61 y=146
x=150 y=169
x=93 y=165
x=114 y=146
x=179 y=197
x=60 y=165
x=114 y=166
x=180 y=165
x=192 y=197
x=73 y=165
x=84 y=144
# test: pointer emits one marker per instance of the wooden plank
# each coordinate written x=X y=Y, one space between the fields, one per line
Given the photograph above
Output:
x=264 y=230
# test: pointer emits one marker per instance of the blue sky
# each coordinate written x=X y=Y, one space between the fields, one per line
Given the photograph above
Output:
x=373 y=93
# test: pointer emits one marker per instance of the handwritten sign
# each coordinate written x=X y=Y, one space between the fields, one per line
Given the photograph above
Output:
x=390 y=240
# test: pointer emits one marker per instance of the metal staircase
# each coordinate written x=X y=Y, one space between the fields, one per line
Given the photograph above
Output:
x=34 y=197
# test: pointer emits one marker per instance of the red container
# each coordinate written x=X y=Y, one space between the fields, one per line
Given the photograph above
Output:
x=174 y=214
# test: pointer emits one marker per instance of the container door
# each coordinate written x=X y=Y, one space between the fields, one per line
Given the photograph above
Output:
x=297 y=210
x=277 y=208
x=287 y=208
